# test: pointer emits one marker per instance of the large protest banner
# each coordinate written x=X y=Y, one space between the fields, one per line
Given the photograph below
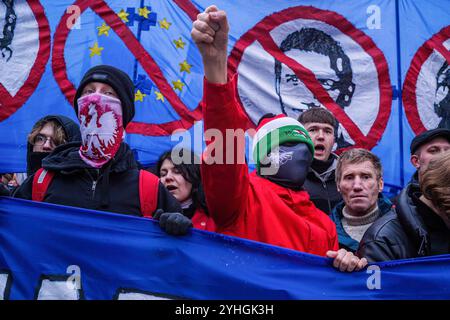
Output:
x=54 y=252
x=362 y=56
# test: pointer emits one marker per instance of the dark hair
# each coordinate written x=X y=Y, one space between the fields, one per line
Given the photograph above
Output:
x=311 y=39
x=319 y=115
x=190 y=170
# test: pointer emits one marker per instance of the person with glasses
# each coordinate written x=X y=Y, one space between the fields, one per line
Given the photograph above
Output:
x=46 y=134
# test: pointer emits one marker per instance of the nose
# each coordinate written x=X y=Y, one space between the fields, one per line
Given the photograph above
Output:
x=48 y=146
x=169 y=177
x=357 y=184
x=320 y=134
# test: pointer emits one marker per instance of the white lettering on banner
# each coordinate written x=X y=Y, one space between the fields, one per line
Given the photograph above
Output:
x=5 y=281
x=374 y=281
x=374 y=20
x=57 y=289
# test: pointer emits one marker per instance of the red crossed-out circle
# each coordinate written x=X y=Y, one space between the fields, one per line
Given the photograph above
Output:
x=145 y=59
x=261 y=33
x=409 y=96
x=10 y=104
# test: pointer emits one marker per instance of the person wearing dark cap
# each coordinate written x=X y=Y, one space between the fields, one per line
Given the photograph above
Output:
x=420 y=225
x=100 y=171
x=424 y=147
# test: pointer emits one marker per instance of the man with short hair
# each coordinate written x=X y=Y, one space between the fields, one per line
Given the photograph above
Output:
x=425 y=147
x=320 y=181
x=359 y=178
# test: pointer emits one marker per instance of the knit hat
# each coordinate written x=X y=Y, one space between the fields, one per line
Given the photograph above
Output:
x=274 y=131
x=427 y=136
x=118 y=80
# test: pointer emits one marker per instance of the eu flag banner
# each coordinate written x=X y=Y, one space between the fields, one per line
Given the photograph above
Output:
x=54 y=252
x=386 y=75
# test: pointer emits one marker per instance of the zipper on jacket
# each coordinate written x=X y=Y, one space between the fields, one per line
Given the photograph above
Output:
x=324 y=184
x=94 y=184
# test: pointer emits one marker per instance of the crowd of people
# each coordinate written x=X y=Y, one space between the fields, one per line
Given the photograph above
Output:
x=315 y=201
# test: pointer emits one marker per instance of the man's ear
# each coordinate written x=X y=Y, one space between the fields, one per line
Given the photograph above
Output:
x=415 y=161
x=380 y=184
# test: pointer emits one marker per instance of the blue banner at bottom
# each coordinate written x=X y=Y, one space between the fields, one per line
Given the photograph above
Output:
x=55 y=252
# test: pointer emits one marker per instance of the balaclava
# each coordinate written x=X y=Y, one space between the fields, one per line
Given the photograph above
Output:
x=103 y=118
x=283 y=151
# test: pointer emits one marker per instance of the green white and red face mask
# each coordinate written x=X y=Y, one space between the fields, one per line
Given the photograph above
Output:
x=101 y=126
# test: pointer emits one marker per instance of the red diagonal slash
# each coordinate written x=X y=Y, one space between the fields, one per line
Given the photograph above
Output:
x=261 y=33
x=145 y=59
x=409 y=95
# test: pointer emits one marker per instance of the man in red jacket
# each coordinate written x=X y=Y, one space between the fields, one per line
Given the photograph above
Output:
x=268 y=205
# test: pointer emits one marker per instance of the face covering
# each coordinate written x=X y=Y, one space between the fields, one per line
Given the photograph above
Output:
x=35 y=161
x=287 y=165
x=101 y=127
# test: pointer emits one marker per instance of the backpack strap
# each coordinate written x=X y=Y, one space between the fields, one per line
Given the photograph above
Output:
x=41 y=180
x=148 y=192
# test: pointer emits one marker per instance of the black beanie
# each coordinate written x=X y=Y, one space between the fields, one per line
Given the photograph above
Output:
x=118 y=80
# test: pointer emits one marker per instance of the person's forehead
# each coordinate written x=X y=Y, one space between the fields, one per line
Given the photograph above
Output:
x=47 y=128
x=318 y=125
x=167 y=164
x=436 y=142
x=358 y=168
x=99 y=85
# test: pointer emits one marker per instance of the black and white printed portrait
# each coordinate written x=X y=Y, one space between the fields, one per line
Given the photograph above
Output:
x=321 y=54
x=442 y=96
x=342 y=62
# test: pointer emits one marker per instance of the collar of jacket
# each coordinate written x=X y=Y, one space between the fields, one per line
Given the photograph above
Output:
x=384 y=206
x=410 y=219
x=66 y=159
x=328 y=174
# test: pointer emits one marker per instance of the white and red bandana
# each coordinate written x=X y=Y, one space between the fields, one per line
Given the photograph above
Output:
x=101 y=127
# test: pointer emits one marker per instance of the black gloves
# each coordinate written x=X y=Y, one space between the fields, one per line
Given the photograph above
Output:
x=173 y=223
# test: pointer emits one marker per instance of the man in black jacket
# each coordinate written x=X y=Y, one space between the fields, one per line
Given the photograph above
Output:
x=100 y=172
x=424 y=147
x=320 y=182
x=421 y=225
